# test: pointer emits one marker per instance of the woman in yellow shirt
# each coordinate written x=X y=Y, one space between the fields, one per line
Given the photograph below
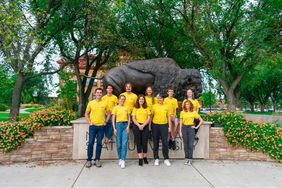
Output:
x=187 y=129
x=196 y=107
x=161 y=126
x=121 y=122
x=150 y=99
x=141 y=118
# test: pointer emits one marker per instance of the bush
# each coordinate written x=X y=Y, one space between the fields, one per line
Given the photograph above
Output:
x=254 y=136
x=3 y=108
x=13 y=134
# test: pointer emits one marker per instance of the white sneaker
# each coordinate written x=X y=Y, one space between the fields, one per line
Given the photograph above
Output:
x=186 y=161
x=189 y=162
x=157 y=162
x=122 y=165
x=119 y=162
x=167 y=163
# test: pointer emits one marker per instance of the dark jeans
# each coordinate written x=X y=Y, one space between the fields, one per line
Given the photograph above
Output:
x=188 y=134
x=109 y=129
x=141 y=138
x=196 y=123
x=160 y=131
x=94 y=131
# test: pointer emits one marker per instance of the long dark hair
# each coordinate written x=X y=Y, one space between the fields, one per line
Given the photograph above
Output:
x=137 y=105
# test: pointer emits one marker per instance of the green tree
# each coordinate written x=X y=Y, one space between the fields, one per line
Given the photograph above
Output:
x=26 y=32
x=208 y=99
x=68 y=91
x=94 y=38
x=6 y=86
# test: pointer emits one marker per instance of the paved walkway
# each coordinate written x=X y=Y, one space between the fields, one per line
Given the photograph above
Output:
x=203 y=173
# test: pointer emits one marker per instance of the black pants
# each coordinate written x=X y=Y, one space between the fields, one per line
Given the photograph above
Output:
x=188 y=134
x=196 y=123
x=141 y=138
x=160 y=131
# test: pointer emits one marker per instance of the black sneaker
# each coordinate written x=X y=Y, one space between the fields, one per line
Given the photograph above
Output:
x=173 y=145
x=145 y=160
x=140 y=162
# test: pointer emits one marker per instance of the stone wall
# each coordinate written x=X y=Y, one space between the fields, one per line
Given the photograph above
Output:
x=50 y=143
x=56 y=143
x=221 y=149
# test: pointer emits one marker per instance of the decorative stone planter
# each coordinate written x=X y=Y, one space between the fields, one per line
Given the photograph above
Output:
x=80 y=142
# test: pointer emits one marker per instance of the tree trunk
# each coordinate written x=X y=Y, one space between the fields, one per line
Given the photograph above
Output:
x=252 y=108
x=16 y=98
x=262 y=106
x=231 y=101
x=82 y=103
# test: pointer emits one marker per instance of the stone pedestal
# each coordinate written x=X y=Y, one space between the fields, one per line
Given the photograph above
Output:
x=80 y=141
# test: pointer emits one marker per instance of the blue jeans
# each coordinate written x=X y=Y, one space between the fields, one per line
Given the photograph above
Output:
x=94 y=131
x=122 y=139
x=109 y=129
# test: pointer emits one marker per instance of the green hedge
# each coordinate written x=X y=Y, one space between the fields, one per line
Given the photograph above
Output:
x=13 y=134
x=254 y=136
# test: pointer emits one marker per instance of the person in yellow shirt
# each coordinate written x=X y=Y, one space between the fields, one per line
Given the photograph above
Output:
x=196 y=107
x=161 y=126
x=149 y=97
x=130 y=96
x=121 y=122
x=95 y=116
x=111 y=101
x=187 y=129
x=141 y=118
x=173 y=104
x=130 y=99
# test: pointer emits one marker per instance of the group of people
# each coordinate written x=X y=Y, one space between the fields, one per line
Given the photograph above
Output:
x=144 y=114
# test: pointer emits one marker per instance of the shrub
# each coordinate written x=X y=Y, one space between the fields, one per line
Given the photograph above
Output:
x=3 y=108
x=13 y=134
x=254 y=136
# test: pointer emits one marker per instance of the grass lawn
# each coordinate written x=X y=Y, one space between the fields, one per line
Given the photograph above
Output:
x=265 y=113
x=5 y=116
x=31 y=110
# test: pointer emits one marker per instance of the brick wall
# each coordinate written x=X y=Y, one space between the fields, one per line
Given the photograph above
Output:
x=221 y=149
x=50 y=143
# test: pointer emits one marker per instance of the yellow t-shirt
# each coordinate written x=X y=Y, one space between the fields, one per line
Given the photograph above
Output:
x=111 y=101
x=160 y=112
x=97 y=112
x=196 y=104
x=121 y=113
x=130 y=100
x=188 y=117
x=141 y=114
x=173 y=104
x=151 y=101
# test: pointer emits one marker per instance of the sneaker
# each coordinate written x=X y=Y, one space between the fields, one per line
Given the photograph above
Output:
x=122 y=165
x=98 y=164
x=145 y=160
x=186 y=161
x=167 y=162
x=173 y=145
x=157 y=162
x=189 y=162
x=88 y=164
x=119 y=162
x=140 y=162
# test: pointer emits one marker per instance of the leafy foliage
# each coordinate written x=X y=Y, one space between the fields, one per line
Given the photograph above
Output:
x=254 y=136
